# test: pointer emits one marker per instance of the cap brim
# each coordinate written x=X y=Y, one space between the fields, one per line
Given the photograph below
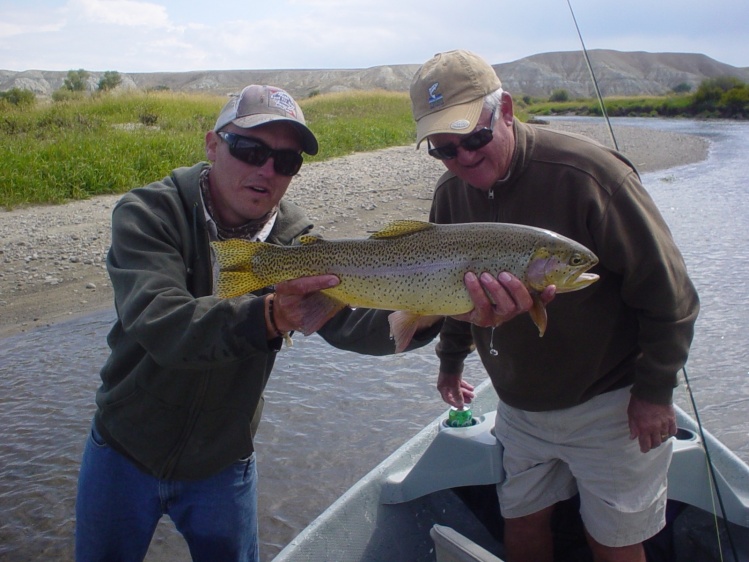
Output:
x=309 y=142
x=457 y=119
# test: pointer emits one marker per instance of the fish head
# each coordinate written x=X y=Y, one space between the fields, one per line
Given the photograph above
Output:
x=562 y=263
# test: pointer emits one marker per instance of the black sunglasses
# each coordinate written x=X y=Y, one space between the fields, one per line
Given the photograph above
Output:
x=472 y=142
x=254 y=152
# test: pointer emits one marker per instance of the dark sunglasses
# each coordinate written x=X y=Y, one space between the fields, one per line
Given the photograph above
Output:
x=254 y=152
x=472 y=142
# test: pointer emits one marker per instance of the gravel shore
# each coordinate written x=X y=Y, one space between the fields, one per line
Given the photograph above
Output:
x=53 y=256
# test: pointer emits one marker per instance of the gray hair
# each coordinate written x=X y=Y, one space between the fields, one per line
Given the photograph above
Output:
x=493 y=100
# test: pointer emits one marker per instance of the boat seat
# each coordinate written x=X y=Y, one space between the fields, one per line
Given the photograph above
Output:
x=451 y=546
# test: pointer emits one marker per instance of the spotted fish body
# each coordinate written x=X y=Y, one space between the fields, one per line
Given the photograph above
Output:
x=413 y=267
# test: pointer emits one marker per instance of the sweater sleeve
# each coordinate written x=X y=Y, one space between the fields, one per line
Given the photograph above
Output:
x=635 y=242
x=149 y=274
x=367 y=331
x=456 y=343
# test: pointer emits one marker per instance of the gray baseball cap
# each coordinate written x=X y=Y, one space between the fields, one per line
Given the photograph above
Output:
x=257 y=105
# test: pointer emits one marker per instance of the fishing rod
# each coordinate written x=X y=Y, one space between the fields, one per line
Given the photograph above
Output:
x=593 y=77
x=711 y=466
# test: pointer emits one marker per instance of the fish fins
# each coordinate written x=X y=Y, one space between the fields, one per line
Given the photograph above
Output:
x=309 y=239
x=403 y=326
x=396 y=229
x=318 y=308
x=538 y=314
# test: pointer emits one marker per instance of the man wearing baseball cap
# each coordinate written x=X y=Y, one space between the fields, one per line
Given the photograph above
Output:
x=587 y=409
x=182 y=389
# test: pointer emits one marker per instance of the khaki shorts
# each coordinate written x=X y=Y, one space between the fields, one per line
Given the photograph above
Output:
x=550 y=456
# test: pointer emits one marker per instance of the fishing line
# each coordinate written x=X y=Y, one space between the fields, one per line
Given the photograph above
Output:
x=711 y=469
x=593 y=77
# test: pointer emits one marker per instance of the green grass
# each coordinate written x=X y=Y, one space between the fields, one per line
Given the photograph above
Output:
x=107 y=144
x=635 y=106
x=359 y=121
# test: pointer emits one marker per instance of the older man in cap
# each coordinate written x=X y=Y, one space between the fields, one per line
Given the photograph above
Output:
x=587 y=409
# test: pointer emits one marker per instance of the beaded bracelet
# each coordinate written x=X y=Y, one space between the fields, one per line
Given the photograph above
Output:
x=272 y=317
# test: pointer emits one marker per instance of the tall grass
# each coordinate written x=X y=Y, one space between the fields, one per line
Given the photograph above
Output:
x=635 y=106
x=108 y=143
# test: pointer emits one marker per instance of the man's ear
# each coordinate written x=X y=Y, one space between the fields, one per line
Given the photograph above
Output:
x=211 y=142
x=507 y=108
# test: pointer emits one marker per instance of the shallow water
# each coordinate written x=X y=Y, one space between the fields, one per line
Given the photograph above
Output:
x=331 y=416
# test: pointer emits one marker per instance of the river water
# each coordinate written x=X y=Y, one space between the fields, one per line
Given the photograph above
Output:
x=331 y=416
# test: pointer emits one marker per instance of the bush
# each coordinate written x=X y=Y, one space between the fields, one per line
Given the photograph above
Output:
x=19 y=97
x=682 y=88
x=735 y=101
x=65 y=95
x=110 y=80
x=723 y=96
x=559 y=95
x=76 y=80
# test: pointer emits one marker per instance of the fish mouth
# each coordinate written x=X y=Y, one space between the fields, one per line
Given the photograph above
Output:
x=549 y=270
x=576 y=281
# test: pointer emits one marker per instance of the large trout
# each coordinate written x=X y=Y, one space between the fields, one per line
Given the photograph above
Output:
x=411 y=267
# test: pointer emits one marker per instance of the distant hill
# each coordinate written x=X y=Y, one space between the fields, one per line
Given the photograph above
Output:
x=618 y=73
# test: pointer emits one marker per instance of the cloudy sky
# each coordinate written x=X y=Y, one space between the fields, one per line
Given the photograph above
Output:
x=182 y=35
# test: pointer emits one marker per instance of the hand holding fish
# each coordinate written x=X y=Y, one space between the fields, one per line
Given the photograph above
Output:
x=295 y=304
x=499 y=299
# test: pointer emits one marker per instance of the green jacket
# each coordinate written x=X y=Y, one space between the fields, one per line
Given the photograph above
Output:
x=632 y=327
x=187 y=370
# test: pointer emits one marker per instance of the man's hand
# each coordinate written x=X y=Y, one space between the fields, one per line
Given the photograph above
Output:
x=497 y=300
x=297 y=304
x=652 y=424
x=454 y=390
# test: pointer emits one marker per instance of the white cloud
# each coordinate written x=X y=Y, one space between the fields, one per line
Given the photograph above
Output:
x=129 y=13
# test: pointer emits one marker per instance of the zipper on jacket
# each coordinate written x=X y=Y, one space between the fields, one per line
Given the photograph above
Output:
x=195 y=253
x=187 y=431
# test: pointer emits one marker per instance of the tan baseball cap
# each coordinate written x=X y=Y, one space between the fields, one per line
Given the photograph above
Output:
x=447 y=93
x=257 y=105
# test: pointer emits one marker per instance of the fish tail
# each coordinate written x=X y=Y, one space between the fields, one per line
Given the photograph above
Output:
x=235 y=258
x=234 y=283
x=235 y=253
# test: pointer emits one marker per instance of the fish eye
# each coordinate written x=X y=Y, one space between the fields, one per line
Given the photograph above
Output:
x=576 y=259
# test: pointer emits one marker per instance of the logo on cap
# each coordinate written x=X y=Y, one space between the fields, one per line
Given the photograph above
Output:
x=283 y=101
x=435 y=100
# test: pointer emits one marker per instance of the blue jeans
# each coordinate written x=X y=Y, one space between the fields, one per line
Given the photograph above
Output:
x=118 y=507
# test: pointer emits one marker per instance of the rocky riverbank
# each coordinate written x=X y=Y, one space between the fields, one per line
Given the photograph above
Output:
x=53 y=256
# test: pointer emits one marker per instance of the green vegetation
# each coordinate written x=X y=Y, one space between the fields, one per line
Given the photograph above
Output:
x=718 y=97
x=109 y=80
x=76 y=80
x=108 y=143
x=17 y=97
x=359 y=121
x=86 y=144
x=559 y=95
